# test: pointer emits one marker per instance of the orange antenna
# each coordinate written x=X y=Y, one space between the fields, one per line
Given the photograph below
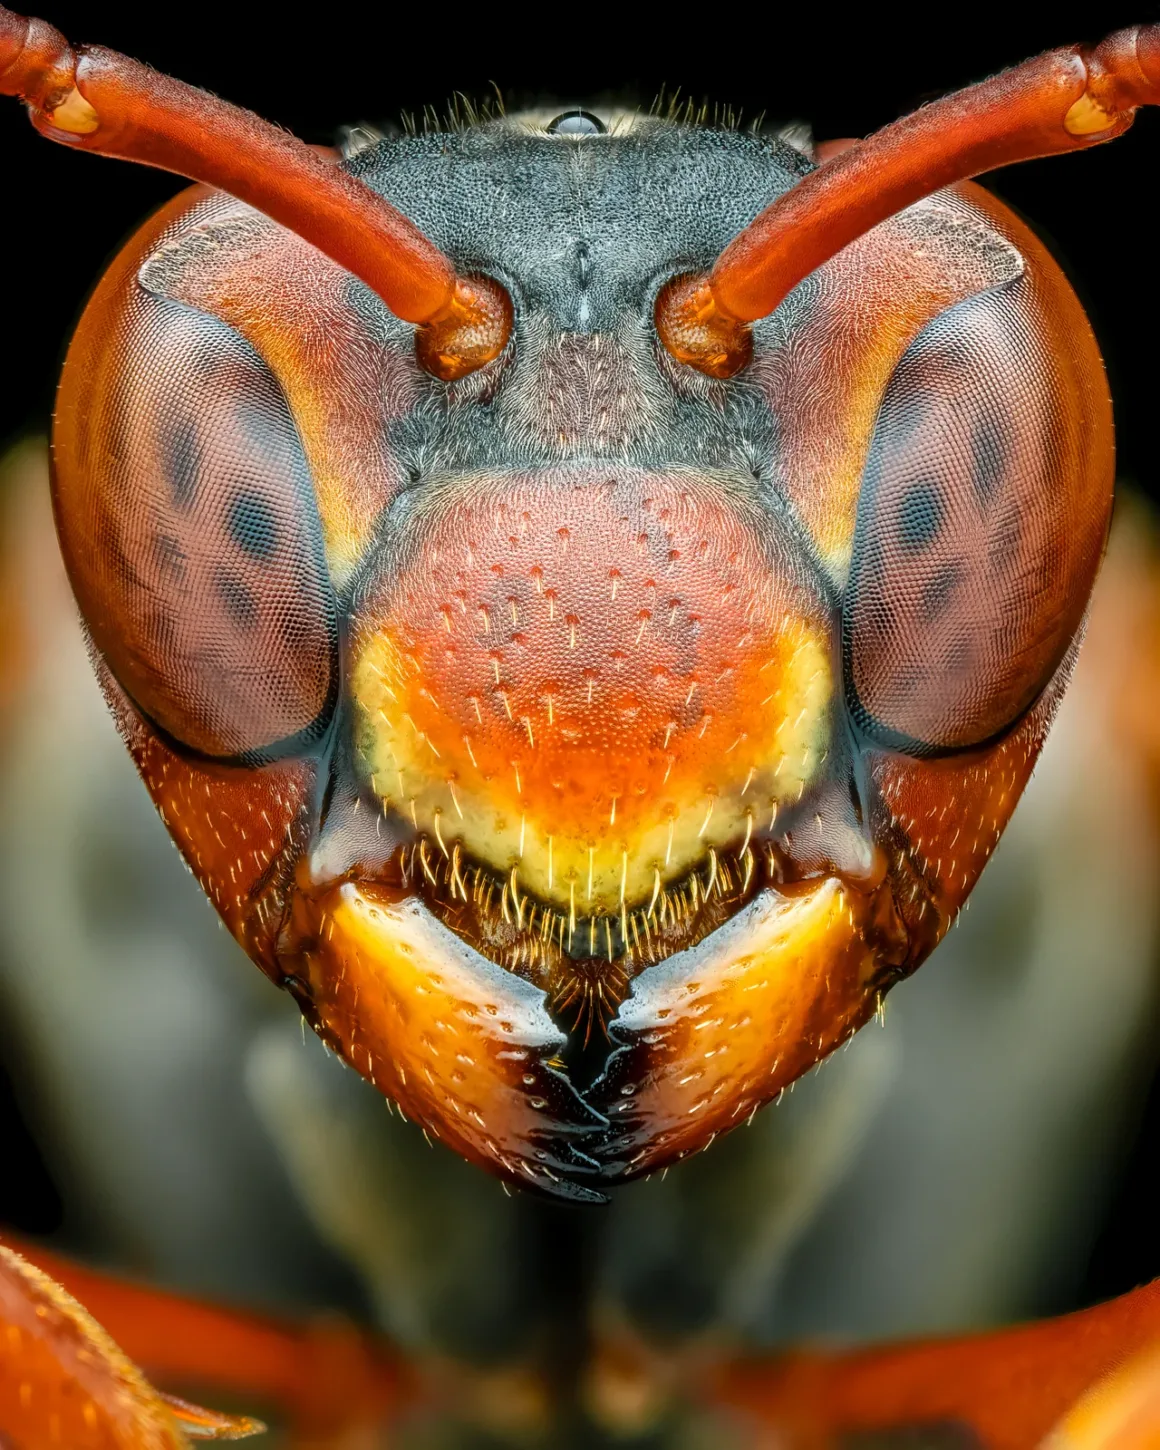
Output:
x=1061 y=101
x=96 y=100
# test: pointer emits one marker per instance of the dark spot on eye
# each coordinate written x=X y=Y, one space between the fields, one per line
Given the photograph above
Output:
x=907 y=680
x=576 y=123
x=238 y=601
x=937 y=593
x=171 y=558
x=911 y=418
x=294 y=630
x=125 y=568
x=253 y=525
x=955 y=354
x=181 y=449
x=270 y=437
x=988 y=460
x=1003 y=543
x=920 y=515
x=1047 y=576
x=959 y=656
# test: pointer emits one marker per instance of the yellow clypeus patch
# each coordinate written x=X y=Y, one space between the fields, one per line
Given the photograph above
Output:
x=593 y=788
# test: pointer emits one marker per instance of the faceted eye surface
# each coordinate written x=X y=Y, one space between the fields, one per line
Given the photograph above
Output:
x=981 y=520
x=191 y=533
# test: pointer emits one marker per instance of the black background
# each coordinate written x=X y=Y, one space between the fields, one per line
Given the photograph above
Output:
x=63 y=215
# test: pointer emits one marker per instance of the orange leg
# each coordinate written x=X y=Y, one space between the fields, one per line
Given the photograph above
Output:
x=1011 y=1388
x=63 y=1381
x=1120 y=1412
x=323 y=1378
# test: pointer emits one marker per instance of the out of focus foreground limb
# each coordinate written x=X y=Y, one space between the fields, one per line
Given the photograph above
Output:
x=325 y=1378
x=64 y=1381
x=1011 y=1388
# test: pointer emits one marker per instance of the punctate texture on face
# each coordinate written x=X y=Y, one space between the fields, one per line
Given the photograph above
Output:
x=587 y=743
x=593 y=679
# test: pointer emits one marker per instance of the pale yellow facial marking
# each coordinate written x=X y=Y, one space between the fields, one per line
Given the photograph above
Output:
x=563 y=811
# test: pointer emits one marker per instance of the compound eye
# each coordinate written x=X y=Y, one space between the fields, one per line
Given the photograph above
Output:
x=189 y=526
x=981 y=520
